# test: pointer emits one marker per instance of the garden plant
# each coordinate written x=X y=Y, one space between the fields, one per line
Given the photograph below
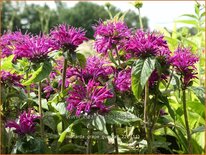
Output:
x=137 y=91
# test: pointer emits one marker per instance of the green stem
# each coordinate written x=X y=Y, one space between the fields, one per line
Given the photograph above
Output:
x=140 y=19
x=186 y=121
x=64 y=75
x=40 y=110
x=115 y=139
x=146 y=121
x=28 y=88
x=170 y=79
x=118 y=57
x=89 y=142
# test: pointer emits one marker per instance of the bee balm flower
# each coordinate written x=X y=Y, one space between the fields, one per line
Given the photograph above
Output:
x=68 y=37
x=26 y=124
x=110 y=34
x=184 y=63
x=84 y=99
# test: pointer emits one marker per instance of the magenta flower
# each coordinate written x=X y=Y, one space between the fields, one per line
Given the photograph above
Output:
x=36 y=49
x=9 y=40
x=184 y=63
x=8 y=79
x=48 y=90
x=122 y=81
x=68 y=37
x=154 y=78
x=145 y=44
x=84 y=99
x=25 y=125
x=109 y=35
x=97 y=67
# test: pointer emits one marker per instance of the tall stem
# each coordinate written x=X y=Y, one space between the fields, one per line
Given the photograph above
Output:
x=40 y=110
x=146 y=121
x=115 y=139
x=28 y=88
x=186 y=121
x=140 y=19
x=89 y=142
x=64 y=75
x=118 y=58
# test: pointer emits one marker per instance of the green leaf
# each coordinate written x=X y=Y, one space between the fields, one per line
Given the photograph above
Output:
x=49 y=121
x=60 y=107
x=141 y=72
x=190 y=22
x=202 y=15
x=72 y=148
x=197 y=10
x=100 y=123
x=198 y=129
x=189 y=15
x=120 y=117
x=199 y=92
x=68 y=130
x=59 y=127
x=81 y=59
x=40 y=74
x=7 y=63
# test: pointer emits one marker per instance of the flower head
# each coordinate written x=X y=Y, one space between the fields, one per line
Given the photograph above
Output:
x=84 y=99
x=110 y=34
x=68 y=37
x=184 y=63
x=48 y=90
x=9 y=40
x=25 y=125
x=144 y=44
x=36 y=48
x=122 y=81
x=8 y=78
x=97 y=67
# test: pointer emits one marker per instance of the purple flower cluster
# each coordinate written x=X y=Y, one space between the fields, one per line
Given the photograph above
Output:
x=9 y=41
x=184 y=63
x=97 y=67
x=36 y=48
x=109 y=35
x=144 y=44
x=8 y=78
x=48 y=90
x=84 y=99
x=25 y=125
x=68 y=37
x=122 y=81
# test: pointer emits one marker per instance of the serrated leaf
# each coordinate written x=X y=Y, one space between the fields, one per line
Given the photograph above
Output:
x=120 y=117
x=148 y=68
x=141 y=72
x=41 y=73
x=199 y=92
x=100 y=123
x=49 y=121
